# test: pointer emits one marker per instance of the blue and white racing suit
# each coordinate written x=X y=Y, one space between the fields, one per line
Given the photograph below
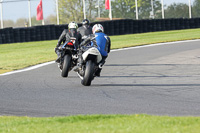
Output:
x=101 y=40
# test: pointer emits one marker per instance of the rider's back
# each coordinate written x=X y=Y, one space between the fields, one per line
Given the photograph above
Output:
x=101 y=39
x=85 y=30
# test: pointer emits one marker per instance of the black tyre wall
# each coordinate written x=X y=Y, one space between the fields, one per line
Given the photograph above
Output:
x=114 y=27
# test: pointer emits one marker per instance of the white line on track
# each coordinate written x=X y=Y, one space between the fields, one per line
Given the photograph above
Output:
x=28 y=69
x=143 y=46
x=156 y=44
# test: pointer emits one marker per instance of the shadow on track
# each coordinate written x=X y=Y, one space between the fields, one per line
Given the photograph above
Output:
x=113 y=65
x=162 y=76
x=163 y=85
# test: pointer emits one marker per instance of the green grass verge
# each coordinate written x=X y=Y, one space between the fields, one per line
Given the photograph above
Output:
x=20 y=55
x=154 y=37
x=101 y=124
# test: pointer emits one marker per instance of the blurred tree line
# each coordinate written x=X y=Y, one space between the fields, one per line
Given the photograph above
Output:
x=72 y=10
x=23 y=22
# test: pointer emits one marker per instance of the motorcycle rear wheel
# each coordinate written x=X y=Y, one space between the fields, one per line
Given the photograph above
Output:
x=89 y=71
x=66 y=65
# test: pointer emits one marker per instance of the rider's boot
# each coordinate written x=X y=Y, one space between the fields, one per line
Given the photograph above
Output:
x=97 y=73
x=79 y=64
x=59 y=57
x=76 y=68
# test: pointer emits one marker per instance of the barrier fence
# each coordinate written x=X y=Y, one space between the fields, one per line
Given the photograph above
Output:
x=114 y=27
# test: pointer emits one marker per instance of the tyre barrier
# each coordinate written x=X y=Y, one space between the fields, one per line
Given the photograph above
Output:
x=114 y=27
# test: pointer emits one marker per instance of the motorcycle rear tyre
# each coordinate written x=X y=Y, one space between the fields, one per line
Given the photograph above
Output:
x=66 y=66
x=89 y=71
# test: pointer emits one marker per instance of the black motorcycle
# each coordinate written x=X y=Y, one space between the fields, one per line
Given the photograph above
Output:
x=68 y=57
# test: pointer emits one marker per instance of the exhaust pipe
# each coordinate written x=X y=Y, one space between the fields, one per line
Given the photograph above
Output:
x=100 y=65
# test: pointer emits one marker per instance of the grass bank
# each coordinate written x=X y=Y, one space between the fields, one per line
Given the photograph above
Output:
x=20 y=55
x=101 y=124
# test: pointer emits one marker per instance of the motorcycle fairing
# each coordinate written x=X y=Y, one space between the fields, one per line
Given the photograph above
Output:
x=92 y=51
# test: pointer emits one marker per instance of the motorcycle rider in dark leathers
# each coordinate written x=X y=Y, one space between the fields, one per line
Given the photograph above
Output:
x=100 y=39
x=65 y=36
x=85 y=29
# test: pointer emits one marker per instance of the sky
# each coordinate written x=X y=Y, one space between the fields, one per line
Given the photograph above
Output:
x=16 y=10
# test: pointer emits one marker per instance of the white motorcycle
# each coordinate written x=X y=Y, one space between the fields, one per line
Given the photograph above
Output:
x=91 y=58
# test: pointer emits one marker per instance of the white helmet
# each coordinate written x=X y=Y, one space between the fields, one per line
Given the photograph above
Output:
x=97 y=28
x=72 y=25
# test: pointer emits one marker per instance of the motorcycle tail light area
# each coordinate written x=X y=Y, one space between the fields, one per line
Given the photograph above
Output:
x=70 y=44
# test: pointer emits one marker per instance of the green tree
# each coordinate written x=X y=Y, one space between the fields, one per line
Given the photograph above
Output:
x=35 y=22
x=51 y=19
x=21 y=22
x=196 y=9
x=177 y=10
x=8 y=23
x=146 y=8
x=123 y=8
x=70 y=10
x=127 y=9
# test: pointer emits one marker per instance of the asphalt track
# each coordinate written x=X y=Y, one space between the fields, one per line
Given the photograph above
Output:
x=158 y=80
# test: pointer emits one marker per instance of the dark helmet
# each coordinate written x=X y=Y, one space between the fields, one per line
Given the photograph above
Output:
x=85 y=22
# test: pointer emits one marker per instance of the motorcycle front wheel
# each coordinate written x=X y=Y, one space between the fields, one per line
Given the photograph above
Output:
x=66 y=65
x=89 y=71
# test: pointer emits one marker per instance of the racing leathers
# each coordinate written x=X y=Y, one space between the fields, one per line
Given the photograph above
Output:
x=64 y=37
x=85 y=30
x=103 y=43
